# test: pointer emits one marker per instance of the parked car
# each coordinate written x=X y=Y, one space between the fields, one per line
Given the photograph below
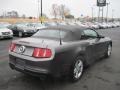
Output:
x=103 y=26
x=94 y=26
x=82 y=25
x=5 y=32
x=59 y=50
x=47 y=24
x=22 y=29
x=36 y=26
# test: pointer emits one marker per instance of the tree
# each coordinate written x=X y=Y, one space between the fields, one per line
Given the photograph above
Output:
x=63 y=11
x=55 y=10
x=69 y=16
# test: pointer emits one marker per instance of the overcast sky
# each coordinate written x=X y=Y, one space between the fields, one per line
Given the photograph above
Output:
x=77 y=7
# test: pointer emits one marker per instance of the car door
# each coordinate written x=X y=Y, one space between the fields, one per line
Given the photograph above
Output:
x=90 y=36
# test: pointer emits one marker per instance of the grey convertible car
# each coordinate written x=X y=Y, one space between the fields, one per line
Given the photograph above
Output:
x=58 y=51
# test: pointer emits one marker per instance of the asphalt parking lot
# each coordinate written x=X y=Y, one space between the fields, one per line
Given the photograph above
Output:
x=102 y=75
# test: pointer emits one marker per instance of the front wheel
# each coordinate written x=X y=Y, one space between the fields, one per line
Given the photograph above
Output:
x=77 y=69
x=109 y=51
x=20 y=34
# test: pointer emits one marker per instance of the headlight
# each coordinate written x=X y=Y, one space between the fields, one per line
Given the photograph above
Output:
x=11 y=32
x=25 y=30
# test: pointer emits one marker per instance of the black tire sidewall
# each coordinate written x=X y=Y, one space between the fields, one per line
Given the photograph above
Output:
x=73 y=79
x=19 y=34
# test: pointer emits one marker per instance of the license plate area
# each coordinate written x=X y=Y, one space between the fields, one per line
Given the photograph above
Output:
x=20 y=64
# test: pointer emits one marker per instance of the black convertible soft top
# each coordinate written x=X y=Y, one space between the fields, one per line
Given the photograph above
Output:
x=74 y=32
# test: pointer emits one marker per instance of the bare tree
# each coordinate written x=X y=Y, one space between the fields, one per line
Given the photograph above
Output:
x=55 y=10
x=63 y=11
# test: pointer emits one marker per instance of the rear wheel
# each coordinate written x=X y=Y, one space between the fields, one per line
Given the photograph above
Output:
x=77 y=69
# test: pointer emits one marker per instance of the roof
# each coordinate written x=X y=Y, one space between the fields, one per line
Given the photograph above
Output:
x=74 y=29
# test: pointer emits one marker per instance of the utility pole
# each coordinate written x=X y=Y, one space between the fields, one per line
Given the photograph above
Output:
x=99 y=14
x=112 y=15
x=92 y=14
x=107 y=12
x=38 y=11
x=102 y=14
x=41 y=12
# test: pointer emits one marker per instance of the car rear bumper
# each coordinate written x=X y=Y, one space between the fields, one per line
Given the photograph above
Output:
x=26 y=65
x=36 y=68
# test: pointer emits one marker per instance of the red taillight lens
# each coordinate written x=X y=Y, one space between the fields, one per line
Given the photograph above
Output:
x=12 y=47
x=42 y=53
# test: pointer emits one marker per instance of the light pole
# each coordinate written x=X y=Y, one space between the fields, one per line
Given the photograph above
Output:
x=102 y=14
x=107 y=12
x=41 y=12
x=112 y=15
x=92 y=13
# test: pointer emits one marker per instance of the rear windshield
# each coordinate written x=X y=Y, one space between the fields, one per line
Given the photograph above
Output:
x=50 y=34
x=55 y=34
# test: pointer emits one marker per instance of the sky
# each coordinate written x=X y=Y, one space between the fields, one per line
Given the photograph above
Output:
x=77 y=7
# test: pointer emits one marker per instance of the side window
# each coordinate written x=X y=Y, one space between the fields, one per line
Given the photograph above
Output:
x=90 y=34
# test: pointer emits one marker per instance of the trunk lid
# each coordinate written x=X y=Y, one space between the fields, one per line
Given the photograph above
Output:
x=28 y=44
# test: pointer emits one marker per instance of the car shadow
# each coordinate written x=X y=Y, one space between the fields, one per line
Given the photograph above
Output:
x=25 y=82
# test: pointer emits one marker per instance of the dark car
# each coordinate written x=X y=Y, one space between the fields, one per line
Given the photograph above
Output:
x=22 y=29
x=59 y=50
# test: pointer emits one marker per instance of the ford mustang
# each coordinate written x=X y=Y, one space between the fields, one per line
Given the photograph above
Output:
x=58 y=51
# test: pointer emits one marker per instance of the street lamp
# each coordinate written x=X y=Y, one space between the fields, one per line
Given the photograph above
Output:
x=41 y=12
x=92 y=13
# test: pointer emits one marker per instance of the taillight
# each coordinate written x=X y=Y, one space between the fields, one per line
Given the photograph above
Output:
x=12 y=47
x=42 y=53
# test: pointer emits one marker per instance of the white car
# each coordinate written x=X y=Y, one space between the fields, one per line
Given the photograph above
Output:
x=95 y=26
x=82 y=25
x=5 y=32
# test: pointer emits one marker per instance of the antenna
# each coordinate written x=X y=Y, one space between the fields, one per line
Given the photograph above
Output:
x=60 y=35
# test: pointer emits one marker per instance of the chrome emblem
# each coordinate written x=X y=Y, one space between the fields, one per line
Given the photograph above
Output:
x=22 y=49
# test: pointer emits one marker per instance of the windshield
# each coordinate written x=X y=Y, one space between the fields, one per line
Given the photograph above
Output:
x=2 y=26
x=21 y=24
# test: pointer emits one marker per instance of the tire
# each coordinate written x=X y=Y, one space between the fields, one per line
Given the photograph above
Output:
x=76 y=69
x=20 y=34
x=109 y=50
